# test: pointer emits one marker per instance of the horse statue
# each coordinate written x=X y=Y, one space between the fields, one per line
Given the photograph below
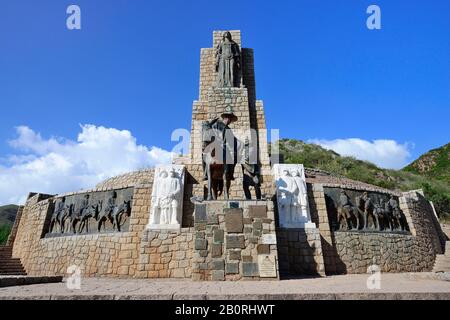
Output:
x=118 y=212
x=91 y=212
x=102 y=217
x=54 y=221
x=347 y=213
x=381 y=215
x=365 y=206
x=64 y=215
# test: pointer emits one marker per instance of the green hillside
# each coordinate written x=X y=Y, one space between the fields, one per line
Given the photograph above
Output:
x=8 y=214
x=433 y=181
x=7 y=217
x=434 y=164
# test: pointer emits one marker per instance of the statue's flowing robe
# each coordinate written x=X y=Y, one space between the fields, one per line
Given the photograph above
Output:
x=301 y=195
x=227 y=55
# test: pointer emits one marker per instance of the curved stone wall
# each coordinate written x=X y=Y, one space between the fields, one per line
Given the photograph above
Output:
x=127 y=180
x=354 y=251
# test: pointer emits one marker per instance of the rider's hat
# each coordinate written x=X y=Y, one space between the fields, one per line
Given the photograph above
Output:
x=228 y=112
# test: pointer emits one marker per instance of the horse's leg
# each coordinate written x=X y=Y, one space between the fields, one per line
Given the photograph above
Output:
x=214 y=186
x=62 y=225
x=365 y=217
x=227 y=184
x=81 y=226
x=357 y=218
x=377 y=220
x=208 y=174
x=118 y=220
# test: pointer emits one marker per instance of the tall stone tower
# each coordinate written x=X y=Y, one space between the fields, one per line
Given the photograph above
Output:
x=213 y=101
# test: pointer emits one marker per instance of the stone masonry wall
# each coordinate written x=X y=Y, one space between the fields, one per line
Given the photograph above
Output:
x=355 y=251
x=104 y=254
x=300 y=252
x=229 y=242
x=166 y=254
x=13 y=233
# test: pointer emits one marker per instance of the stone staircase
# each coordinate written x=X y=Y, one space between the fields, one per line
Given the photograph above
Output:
x=9 y=265
x=442 y=263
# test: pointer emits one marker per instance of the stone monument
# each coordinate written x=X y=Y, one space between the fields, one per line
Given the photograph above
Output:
x=142 y=224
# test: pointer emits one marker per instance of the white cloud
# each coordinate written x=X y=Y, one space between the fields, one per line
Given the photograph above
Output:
x=384 y=153
x=58 y=165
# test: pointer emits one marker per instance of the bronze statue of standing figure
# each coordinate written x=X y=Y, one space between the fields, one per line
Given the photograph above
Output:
x=251 y=175
x=228 y=61
x=219 y=154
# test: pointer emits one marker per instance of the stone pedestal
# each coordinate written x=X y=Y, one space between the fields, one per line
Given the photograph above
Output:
x=234 y=240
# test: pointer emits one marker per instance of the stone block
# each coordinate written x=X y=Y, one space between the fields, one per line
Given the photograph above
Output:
x=247 y=258
x=232 y=268
x=201 y=244
x=200 y=235
x=234 y=254
x=200 y=226
x=213 y=219
x=256 y=233
x=235 y=242
x=250 y=269
x=218 y=236
x=234 y=220
x=218 y=275
x=257 y=211
x=216 y=250
x=253 y=240
x=263 y=249
x=257 y=225
x=178 y=273
x=200 y=213
x=217 y=264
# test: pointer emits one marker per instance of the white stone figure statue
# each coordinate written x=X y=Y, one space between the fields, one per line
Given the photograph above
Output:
x=301 y=195
x=292 y=196
x=167 y=198
x=286 y=193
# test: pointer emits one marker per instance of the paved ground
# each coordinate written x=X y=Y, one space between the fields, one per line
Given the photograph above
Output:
x=393 y=286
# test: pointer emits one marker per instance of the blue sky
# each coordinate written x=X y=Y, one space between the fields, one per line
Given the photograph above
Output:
x=135 y=66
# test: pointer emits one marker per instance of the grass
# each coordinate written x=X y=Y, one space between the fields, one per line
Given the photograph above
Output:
x=4 y=233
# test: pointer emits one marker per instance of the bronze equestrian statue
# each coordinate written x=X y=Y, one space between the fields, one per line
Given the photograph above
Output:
x=219 y=154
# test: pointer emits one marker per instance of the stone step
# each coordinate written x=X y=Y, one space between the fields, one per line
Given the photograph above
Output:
x=10 y=261
x=13 y=270
x=17 y=268
x=10 y=264
x=13 y=273
x=442 y=263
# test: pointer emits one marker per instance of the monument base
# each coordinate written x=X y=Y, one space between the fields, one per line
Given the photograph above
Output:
x=169 y=227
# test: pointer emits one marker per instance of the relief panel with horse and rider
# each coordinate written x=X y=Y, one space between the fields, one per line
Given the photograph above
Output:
x=351 y=210
x=94 y=212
